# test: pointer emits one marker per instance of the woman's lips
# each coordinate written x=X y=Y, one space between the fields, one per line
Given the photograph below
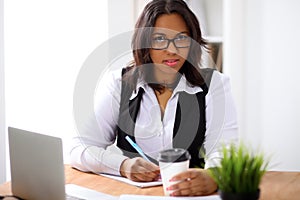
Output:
x=171 y=62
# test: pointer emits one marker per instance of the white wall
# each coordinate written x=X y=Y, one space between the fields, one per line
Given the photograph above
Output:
x=261 y=48
x=46 y=43
x=281 y=94
x=2 y=107
x=121 y=16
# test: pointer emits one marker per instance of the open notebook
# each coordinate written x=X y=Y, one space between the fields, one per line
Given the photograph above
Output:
x=128 y=181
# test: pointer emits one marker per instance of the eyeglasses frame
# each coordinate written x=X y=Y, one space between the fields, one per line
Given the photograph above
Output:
x=173 y=41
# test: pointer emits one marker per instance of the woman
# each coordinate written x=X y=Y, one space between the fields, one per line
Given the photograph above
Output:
x=162 y=100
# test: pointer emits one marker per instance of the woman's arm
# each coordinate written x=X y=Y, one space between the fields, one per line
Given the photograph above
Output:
x=89 y=149
x=221 y=119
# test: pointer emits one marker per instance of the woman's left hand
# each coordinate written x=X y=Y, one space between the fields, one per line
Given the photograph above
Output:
x=194 y=182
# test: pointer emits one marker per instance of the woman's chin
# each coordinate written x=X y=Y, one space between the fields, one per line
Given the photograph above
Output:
x=168 y=69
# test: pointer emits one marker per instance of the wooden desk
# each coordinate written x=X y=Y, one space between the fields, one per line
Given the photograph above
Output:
x=274 y=186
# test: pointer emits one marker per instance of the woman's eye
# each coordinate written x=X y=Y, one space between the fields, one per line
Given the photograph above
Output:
x=159 y=38
x=182 y=37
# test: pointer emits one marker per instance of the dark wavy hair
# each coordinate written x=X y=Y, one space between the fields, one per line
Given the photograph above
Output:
x=141 y=40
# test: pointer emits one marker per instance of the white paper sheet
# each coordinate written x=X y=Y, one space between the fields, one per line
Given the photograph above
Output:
x=143 y=197
x=85 y=193
x=128 y=181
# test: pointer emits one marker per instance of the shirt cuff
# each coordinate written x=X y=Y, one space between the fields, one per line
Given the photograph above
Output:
x=99 y=160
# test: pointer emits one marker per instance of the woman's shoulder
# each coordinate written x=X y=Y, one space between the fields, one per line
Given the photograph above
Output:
x=218 y=80
x=110 y=79
x=112 y=76
x=116 y=74
x=217 y=75
x=209 y=73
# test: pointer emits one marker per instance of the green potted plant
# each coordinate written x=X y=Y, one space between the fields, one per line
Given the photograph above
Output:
x=239 y=173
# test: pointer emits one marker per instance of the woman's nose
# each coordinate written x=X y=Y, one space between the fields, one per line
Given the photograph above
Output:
x=172 y=48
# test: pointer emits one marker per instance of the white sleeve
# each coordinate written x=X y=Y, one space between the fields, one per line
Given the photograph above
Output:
x=89 y=149
x=221 y=119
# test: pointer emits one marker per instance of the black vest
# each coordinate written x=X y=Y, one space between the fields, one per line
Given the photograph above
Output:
x=189 y=127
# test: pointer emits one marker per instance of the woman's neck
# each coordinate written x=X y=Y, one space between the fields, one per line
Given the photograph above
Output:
x=165 y=79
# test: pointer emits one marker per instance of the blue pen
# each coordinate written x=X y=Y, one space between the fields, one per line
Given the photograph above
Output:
x=137 y=148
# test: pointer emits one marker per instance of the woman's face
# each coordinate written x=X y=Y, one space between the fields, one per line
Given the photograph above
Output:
x=165 y=55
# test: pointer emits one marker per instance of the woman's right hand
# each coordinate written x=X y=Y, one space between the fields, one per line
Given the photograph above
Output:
x=138 y=169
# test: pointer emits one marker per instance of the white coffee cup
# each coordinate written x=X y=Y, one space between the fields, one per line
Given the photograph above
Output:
x=171 y=163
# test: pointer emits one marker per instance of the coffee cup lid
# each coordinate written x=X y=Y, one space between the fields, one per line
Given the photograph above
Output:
x=173 y=155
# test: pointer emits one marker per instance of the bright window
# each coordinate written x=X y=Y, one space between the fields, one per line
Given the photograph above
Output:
x=46 y=43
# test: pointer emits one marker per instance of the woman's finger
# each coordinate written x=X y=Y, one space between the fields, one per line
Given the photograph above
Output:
x=189 y=174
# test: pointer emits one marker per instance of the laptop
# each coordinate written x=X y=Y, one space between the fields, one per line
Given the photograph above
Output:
x=37 y=169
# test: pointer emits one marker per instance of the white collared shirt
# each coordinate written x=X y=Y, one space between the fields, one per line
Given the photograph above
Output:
x=152 y=133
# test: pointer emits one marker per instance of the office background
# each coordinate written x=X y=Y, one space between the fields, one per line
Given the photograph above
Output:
x=44 y=44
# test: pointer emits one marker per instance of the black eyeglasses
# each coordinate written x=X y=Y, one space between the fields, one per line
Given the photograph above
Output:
x=160 y=42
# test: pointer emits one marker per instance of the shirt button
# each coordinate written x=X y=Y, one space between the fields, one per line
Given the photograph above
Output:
x=160 y=131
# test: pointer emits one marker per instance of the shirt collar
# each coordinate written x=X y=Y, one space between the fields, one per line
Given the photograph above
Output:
x=140 y=84
x=182 y=86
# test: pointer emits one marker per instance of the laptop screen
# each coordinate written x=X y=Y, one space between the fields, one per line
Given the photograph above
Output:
x=37 y=169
